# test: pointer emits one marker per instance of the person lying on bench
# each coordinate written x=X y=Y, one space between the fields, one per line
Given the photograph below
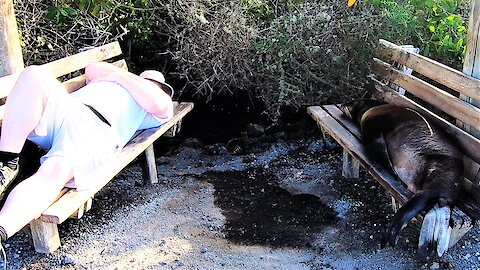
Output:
x=80 y=131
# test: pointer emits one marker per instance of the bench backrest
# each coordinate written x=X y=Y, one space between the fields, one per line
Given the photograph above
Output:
x=66 y=66
x=445 y=106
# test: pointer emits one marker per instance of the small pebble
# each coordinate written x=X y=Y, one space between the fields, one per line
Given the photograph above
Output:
x=69 y=260
x=435 y=266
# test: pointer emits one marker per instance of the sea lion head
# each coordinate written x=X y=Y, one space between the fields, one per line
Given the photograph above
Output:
x=357 y=107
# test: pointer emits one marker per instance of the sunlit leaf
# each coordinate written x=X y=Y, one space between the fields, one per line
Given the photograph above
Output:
x=96 y=11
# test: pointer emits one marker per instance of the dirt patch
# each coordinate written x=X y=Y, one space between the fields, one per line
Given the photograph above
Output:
x=257 y=211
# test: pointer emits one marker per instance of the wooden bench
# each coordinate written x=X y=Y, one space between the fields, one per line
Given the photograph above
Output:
x=445 y=108
x=70 y=202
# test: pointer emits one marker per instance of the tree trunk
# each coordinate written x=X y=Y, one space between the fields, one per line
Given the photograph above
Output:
x=11 y=59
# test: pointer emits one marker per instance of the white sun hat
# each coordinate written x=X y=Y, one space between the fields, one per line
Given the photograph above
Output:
x=157 y=76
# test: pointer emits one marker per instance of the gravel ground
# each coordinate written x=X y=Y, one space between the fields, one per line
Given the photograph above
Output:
x=276 y=202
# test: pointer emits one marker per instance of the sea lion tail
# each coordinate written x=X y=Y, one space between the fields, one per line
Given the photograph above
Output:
x=411 y=208
x=469 y=200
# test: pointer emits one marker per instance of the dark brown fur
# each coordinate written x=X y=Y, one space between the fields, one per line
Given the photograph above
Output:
x=418 y=153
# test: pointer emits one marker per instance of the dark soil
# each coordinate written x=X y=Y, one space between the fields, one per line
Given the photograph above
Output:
x=257 y=211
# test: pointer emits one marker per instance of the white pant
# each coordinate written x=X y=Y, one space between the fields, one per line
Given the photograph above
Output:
x=70 y=129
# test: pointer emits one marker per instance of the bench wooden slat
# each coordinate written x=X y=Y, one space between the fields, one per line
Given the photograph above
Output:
x=70 y=202
x=444 y=101
x=81 y=60
x=8 y=82
x=357 y=150
x=350 y=167
x=74 y=84
x=338 y=115
x=467 y=143
x=441 y=73
x=71 y=85
x=472 y=170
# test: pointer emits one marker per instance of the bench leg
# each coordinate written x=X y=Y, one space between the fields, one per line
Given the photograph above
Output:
x=45 y=236
x=457 y=233
x=174 y=129
x=395 y=205
x=462 y=224
x=350 y=167
x=149 y=167
x=82 y=209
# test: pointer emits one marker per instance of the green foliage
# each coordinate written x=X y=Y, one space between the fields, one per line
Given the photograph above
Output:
x=300 y=59
x=289 y=53
x=94 y=7
x=61 y=14
x=257 y=9
x=435 y=25
x=122 y=17
x=263 y=10
x=284 y=47
x=447 y=31
x=401 y=17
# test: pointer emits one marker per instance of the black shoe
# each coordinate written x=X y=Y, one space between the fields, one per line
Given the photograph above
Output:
x=8 y=172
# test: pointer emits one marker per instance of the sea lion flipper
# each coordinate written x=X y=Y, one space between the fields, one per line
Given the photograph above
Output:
x=411 y=208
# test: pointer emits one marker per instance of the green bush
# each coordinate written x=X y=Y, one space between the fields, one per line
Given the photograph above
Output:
x=61 y=14
x=51 y=30
x=447 y=29
x=118 y=16
x=288 y=53
x=436 y=26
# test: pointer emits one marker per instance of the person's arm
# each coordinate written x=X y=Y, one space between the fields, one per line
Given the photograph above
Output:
x=145 y=92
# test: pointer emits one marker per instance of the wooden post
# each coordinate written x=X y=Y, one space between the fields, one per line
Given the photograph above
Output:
x=149 y=168
x=11 y=59
x=404 y=69
x=45 y=236
x=471 y=66
x=350 y=166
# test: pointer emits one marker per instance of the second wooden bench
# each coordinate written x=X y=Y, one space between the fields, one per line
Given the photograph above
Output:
x=443 y=108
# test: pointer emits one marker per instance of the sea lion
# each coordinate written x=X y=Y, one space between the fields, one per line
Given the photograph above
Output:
x=417 y=152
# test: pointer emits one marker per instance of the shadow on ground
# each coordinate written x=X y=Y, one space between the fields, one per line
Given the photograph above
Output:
x=258 y=211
